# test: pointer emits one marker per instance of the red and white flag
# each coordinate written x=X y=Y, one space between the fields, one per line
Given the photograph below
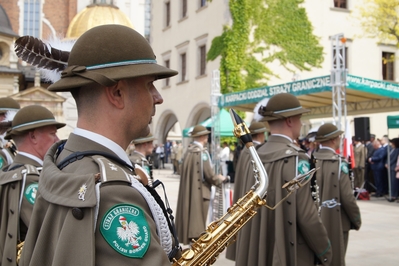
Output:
x=348 y=145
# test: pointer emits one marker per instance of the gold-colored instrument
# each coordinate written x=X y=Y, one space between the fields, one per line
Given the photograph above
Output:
x=19 y=250
x=221 y=233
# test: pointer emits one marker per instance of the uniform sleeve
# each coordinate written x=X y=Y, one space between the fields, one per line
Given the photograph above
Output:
x=348 y=201
x=310 y=225
x=209 y=173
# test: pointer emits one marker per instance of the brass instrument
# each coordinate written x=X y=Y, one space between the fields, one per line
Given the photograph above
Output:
x=222 y=232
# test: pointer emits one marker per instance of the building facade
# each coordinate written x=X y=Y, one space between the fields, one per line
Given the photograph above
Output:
x=182 y=29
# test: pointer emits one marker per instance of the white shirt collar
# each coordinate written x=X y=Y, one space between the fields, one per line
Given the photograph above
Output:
x=103 y=141
x=326 y=148
x=284 y=136
x=198 y=144
x=33 y=157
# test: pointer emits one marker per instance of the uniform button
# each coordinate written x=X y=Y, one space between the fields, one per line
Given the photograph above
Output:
x=198 y=179
x=337 y=210
x=285 y=160
x=325 y=260
x=292 y=243
x=77 y=213
x=9 y=259
x=197 y=172
x=13 y=185
x=335 y=185
x=289 y=202
x=289 y=222
x=10 y=235
x=12 y=212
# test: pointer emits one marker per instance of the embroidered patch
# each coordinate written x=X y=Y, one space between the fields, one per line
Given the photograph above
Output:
x=344 y=168
x=1 y=162
x=147 y=169
x=82 y=192
x=126 y=230
x=204 y=156
x=30 y=193
x=303 y=167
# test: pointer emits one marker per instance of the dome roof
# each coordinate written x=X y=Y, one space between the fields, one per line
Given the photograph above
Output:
x=5 y=25
x=96 y=15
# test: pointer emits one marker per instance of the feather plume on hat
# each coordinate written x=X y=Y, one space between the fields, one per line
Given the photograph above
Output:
x=49 y=60
x=257 y=116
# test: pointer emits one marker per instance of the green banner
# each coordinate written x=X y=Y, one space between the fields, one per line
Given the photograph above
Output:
x=301 y=87
x=393 y=121
x=309 y=86
x=382 y=88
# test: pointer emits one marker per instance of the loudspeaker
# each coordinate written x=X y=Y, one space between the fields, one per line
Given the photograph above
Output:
x=362 y=128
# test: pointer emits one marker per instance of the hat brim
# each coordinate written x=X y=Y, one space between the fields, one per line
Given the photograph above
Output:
x=332 y=136
x=116 y=73
x=23 y=129
x=202 y=133
x=279 y=116
x=143 y=140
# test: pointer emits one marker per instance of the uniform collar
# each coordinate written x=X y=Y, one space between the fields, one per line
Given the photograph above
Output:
x=103 y=141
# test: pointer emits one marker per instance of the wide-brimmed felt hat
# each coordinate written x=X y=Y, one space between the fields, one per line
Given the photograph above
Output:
x=31 y=117
x=199 y=130
x=148 y=138
x=106 y=54
x=281 y=106
x=8 y=104
x=327 y=131
x=257 y=127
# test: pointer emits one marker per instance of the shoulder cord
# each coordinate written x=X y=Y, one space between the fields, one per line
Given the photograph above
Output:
x=167 y=212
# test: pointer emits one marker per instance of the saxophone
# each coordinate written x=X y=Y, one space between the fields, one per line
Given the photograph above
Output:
x=222 y=232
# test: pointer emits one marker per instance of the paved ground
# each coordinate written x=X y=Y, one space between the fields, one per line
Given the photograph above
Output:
x=376 y=243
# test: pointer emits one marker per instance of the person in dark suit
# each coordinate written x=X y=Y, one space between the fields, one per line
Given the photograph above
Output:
x=377 y=161
x=369 y=176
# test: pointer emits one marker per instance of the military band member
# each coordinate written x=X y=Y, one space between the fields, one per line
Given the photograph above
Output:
x=8 y=108
x=197 y=177
x=143 y=148
x=292 y=234
x=339 y=210
x=91 y=209
x=243 y=182
x=33 y=130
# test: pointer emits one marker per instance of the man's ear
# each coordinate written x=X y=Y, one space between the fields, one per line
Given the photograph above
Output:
x=32 y=136
x=116 y=94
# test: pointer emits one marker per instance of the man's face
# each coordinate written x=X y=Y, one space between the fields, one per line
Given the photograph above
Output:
x=142 y=98
x=297 y=125
x=45 y=136
x=149 y=148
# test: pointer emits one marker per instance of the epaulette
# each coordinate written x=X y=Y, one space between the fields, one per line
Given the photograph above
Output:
x=18 y=173
x=110 y=171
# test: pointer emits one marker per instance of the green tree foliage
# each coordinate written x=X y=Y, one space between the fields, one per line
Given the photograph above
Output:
x=379 y=19
x=264 y=31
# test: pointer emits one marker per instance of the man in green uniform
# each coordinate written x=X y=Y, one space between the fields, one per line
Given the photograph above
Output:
x=8 y=109
x=197 y=177
x=338 y=207
x=33 y=130
x=142 y=148
x=242 y=181
x=91 y=209
x=292 y=234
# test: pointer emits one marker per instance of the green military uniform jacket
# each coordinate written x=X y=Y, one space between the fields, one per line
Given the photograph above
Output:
x=93 y=212
x=243 y=181
x=6 y=157
x=292 y=234
x=335 y=188
x=18 y=189
x=196 y=180
x=138 y=158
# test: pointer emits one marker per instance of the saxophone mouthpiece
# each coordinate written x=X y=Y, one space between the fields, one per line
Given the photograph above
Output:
x=241 y=130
